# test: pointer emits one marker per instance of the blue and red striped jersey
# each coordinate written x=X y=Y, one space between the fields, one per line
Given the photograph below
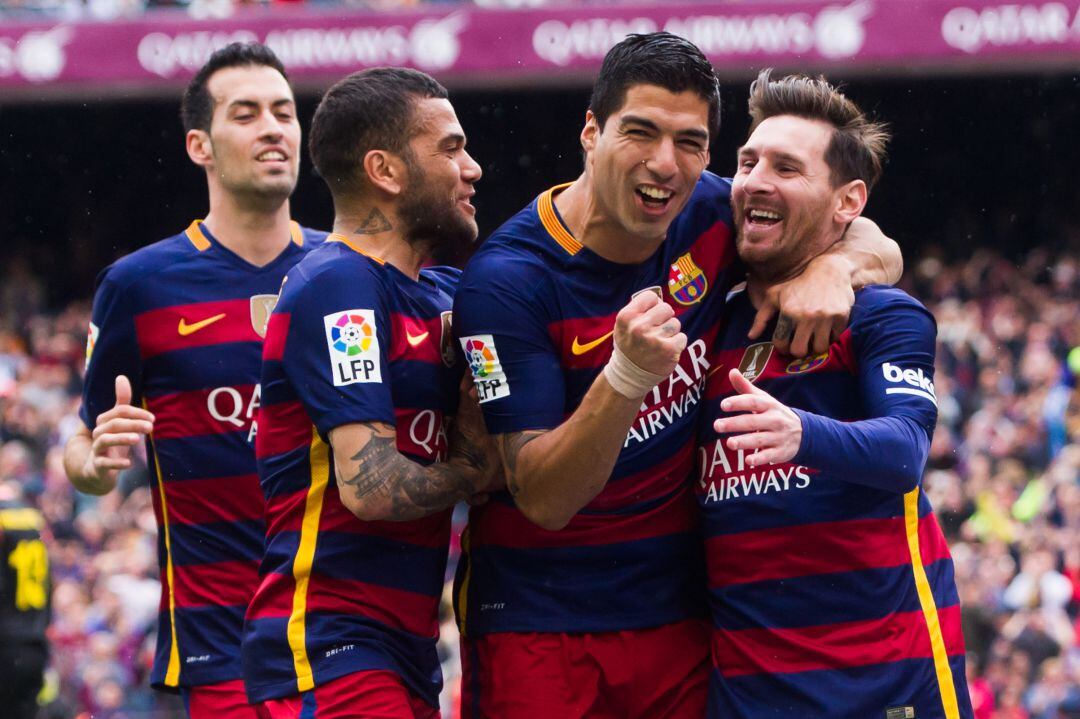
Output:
x=830 y=583
x=352 y=340
x=534 y=315
x=184 y=319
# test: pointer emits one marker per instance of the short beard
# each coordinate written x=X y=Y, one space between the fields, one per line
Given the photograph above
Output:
x=432 y=223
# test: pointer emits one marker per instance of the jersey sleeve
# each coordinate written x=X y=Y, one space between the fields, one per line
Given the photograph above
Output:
x=336 y=351
x=893 y=341
x=112 y=349
x=500 y=322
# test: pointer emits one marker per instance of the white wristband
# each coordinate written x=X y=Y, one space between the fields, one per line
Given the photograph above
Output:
x=627 y=378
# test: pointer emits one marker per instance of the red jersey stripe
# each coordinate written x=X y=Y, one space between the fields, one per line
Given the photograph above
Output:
x=217 y=584
x=194 y=325
x=217 y=499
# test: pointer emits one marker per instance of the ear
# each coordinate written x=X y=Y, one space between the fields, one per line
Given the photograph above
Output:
x=385 y=171
x=199 y=147
x=590 y=132
x=850 y=201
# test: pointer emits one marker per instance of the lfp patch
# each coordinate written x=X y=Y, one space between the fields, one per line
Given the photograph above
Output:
x=686 y=281
x=486 y=369
x=353 y=341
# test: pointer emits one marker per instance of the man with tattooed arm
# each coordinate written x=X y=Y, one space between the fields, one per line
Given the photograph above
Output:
x=358 y=459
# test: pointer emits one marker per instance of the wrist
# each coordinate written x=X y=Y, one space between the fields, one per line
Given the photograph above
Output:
x=836 y=264
x=627 y=378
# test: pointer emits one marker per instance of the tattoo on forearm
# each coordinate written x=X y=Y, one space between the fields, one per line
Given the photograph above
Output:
x=413 y=491
x=375 y=223
x=785 y=328
x=510 y=445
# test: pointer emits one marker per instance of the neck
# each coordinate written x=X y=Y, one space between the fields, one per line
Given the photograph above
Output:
x=596 y=229
x=762 y=277
x=256 y=234
x=377 y=231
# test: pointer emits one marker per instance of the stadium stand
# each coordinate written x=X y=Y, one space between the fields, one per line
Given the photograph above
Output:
x=1003 y=475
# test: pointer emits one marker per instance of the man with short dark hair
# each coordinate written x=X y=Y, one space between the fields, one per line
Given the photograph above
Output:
x=359 y=461
x=831 y=585
x=581 y=589
x=174 y=352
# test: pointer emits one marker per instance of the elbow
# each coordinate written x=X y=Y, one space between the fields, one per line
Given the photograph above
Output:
x=545 y=516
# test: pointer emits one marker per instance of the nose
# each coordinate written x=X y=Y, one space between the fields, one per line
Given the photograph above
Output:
x=758 y=180
x=269 y=126
x=662 y=163
x=470 y=169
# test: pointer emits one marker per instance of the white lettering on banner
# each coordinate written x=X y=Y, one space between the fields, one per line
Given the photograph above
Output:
x=835 y=32
x=166 y=55
x=38 y=56
x=336 y=47
x=971 y=29
x=722 y=479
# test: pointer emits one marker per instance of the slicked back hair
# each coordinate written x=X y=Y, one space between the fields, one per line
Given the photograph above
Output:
x=368 y=110
x=856 y=150
x=197 y=107
x=656 y=58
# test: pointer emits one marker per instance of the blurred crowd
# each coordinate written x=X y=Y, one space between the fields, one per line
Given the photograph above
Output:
x=1004 y=478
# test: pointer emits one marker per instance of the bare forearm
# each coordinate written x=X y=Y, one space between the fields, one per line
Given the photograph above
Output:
x=553 y=475
x=873 y=257
x=378 y=483
x=78 y=467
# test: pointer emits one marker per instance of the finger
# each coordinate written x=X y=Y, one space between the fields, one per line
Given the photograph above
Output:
x=112 y=462
x=125 y=411
x=642 y=301
x=822 y=337
x=677 y=343
x=755 y=441
x=740 y=384
x=761 y=320
x=115 y=440
x=800 y=343
x=115 y=426
x=123 y=390
x=658 y=314
x=741 y=424
x=838 y=326
x=764 y=457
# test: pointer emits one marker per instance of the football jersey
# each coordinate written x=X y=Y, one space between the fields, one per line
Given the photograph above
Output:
x=184 y=319
x=534 y=316
x=830 y=583
x=352 y=340
x=25 y=590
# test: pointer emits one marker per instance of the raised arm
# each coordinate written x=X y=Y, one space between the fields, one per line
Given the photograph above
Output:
x=814 y=306
x=553 y=474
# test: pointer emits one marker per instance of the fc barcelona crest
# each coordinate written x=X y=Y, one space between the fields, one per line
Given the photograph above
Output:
x=261 y=307
x=754 y=360
x=446 y=339
x=686 y=281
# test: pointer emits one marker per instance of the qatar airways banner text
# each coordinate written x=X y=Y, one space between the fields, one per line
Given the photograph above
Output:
x=483 y=45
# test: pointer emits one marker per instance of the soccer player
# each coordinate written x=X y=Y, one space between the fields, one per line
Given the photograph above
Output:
x=25 y=602
x=174 y=354
x=831 y=586
x=359 y=465
x=582 y=588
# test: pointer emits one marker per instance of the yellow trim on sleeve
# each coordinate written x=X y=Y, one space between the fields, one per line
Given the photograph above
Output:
x=319 y=457
x=545 y=208
x=463 y=591
x=335 y=237
x=929 y=608
x=296 y=232
x=172 y=673
x=195 y=235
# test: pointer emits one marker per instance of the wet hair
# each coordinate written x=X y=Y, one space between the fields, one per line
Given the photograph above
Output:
x=368 y=110
x=856 y=150
x=656 y=58
x=197 y=107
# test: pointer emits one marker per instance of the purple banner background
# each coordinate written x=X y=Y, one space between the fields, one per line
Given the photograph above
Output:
x=491 y=46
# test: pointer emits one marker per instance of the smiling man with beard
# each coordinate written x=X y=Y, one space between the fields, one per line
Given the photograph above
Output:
x=358 y=459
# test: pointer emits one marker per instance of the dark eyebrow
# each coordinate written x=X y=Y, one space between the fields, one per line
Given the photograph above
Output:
x=787 y=157
x=453 y=138
x=253 y=105
x=694 y=133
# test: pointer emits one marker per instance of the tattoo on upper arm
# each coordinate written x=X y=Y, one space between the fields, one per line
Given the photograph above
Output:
x=412 y=490
x=510 y=445
x=375 y=223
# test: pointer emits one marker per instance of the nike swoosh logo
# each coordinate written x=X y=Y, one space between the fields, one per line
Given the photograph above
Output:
x=415 y=340
x=185 y=329
x=580 y=349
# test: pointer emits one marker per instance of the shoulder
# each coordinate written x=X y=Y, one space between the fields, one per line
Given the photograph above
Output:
x=149 y=261
x=331 y=271
x=445 y=278
x=519 y=253
x=882 y=308
x=312 y=238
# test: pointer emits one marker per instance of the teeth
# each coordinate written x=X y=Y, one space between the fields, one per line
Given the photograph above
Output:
x=272 y=155
x=654 y=192
x=764 y=215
